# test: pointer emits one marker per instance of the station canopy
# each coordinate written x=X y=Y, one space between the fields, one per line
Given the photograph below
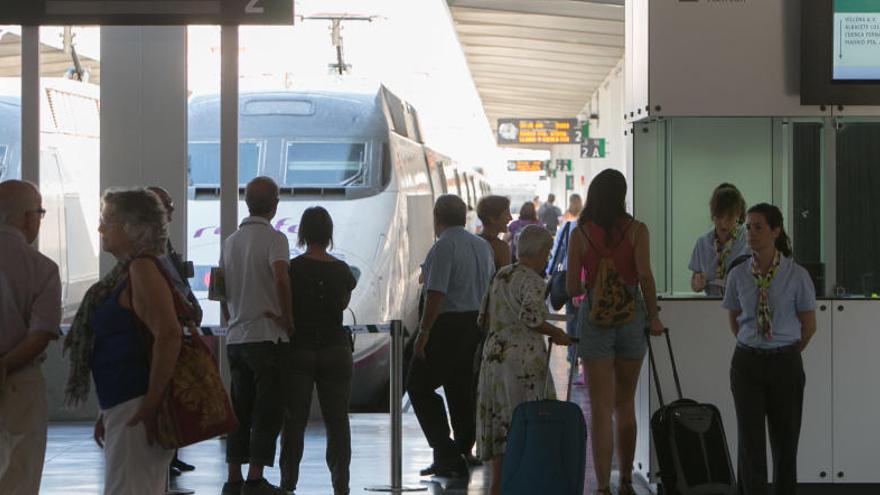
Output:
x=55 y=61
x=538 y=59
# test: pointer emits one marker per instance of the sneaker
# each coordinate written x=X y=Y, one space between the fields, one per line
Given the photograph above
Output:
x=232 y=488
x=453 y=469
x=182 y=466
x=428 y=471
x=261 y=487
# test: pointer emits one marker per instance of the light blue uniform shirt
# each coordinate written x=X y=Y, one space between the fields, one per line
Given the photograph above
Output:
x=460 y=266
x=791 y=292
x=704 y=258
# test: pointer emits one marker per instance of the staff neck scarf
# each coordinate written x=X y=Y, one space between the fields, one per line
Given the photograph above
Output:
x=723 y=252
x=764 y=314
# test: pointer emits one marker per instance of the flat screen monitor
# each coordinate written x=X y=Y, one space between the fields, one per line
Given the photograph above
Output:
x=840 y=52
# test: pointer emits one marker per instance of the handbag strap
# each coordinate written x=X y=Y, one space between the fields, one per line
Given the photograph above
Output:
x=561 y=243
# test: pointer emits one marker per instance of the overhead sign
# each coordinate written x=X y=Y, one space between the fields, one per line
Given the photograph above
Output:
x=146 y=12
x=593 y=148
x=538 y=131
x=527 y=165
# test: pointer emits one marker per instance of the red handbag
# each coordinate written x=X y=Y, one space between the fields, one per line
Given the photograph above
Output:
x=195 y=406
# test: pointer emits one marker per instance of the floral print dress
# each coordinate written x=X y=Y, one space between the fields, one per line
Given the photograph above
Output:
x=514 y=364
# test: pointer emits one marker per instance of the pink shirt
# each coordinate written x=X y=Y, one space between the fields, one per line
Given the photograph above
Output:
x=30 y=290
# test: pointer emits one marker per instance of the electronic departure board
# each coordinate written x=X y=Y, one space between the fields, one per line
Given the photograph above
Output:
x=146 y=12
x=527 y=165
x=538 y=131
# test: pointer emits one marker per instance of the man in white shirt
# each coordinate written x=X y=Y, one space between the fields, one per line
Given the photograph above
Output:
x=30 y=313
x=255 y=261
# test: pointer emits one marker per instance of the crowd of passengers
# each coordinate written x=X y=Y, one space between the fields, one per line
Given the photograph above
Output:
x=481 y=334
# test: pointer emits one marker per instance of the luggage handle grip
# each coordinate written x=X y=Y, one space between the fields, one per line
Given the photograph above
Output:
x=654 y=365
x=547 y=381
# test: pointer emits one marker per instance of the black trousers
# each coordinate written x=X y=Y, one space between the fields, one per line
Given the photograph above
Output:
x=328 y=369
x=257 y=401
x=767 y=387
x=448 y=363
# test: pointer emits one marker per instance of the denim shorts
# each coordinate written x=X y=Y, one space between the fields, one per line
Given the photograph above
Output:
x=625 y=342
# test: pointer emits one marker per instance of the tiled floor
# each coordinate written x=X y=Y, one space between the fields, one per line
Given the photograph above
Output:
x=74 y=464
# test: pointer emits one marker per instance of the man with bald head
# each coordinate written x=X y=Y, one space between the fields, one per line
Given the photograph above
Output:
x=30 y=314
x=257 y=307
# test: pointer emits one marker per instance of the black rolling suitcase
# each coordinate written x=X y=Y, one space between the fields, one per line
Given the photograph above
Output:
x=690 y=443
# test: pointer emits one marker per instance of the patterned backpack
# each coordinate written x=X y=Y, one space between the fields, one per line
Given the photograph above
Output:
x=612 y=304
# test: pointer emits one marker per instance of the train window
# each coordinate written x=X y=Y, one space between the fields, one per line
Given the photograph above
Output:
x=324 y=164
x=279 y=107
x=204 y=163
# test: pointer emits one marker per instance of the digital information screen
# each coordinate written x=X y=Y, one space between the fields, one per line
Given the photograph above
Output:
x=527 y=165
x=856 y=40
x=538 y=131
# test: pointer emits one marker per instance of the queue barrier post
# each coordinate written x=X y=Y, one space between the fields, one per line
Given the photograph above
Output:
x=396 y=414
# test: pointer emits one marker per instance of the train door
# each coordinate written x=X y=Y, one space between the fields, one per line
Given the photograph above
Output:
x=53 y=235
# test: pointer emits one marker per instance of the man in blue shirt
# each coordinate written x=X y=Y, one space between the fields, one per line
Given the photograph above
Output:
x=457 y=271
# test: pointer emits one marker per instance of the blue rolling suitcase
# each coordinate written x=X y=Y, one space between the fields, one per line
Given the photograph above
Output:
x=546 y=449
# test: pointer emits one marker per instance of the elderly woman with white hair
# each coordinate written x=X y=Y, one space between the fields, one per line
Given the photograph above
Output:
x=514 y=366
x=127 y=334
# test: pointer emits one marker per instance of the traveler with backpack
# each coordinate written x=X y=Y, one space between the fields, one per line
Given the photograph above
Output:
x=716 y=252
x=621 y=301
x=320 y=351
x=772 y=305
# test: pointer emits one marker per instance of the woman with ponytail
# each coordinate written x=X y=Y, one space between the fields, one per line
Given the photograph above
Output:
x=772 y=303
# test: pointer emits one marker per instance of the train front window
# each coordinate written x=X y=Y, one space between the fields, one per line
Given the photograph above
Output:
x=325 y=164
x=204 y=163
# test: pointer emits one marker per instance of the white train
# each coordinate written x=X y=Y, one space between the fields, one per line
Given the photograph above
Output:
x=360 y=156
x=69 y=177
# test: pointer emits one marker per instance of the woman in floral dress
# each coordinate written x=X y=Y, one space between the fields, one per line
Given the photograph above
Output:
x=514 y=364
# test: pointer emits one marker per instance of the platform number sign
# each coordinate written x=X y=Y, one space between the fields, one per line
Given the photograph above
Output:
x=147 y=12
x=593 y=148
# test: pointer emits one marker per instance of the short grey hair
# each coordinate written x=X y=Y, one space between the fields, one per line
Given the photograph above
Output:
x=261 y=195
x=16 y=197
x=532 y=239
x=142 y=216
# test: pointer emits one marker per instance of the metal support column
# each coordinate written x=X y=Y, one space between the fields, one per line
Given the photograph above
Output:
x=396 y=413
x=30 y=104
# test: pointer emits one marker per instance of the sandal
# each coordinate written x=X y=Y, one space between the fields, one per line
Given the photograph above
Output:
x=626 y=488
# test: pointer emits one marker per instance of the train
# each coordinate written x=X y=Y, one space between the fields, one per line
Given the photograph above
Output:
x=360 y=155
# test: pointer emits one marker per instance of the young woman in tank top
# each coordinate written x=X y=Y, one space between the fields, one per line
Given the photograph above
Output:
x=612 y=355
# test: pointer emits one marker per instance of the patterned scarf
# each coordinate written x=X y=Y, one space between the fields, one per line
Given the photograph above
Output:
x=723 y=252
x=764 y=313
x=80 y=340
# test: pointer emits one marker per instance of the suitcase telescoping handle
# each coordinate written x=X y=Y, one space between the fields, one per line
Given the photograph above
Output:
x=654 y=365
x=571 y=373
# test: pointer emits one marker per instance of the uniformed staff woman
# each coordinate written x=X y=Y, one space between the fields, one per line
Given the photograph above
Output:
x=715 y=252
x=772 y=304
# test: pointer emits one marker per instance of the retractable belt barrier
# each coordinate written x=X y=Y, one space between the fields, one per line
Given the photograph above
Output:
x=216 y=330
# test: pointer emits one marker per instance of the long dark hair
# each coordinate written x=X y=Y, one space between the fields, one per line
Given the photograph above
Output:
x=606 y=202
x=774 y=220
